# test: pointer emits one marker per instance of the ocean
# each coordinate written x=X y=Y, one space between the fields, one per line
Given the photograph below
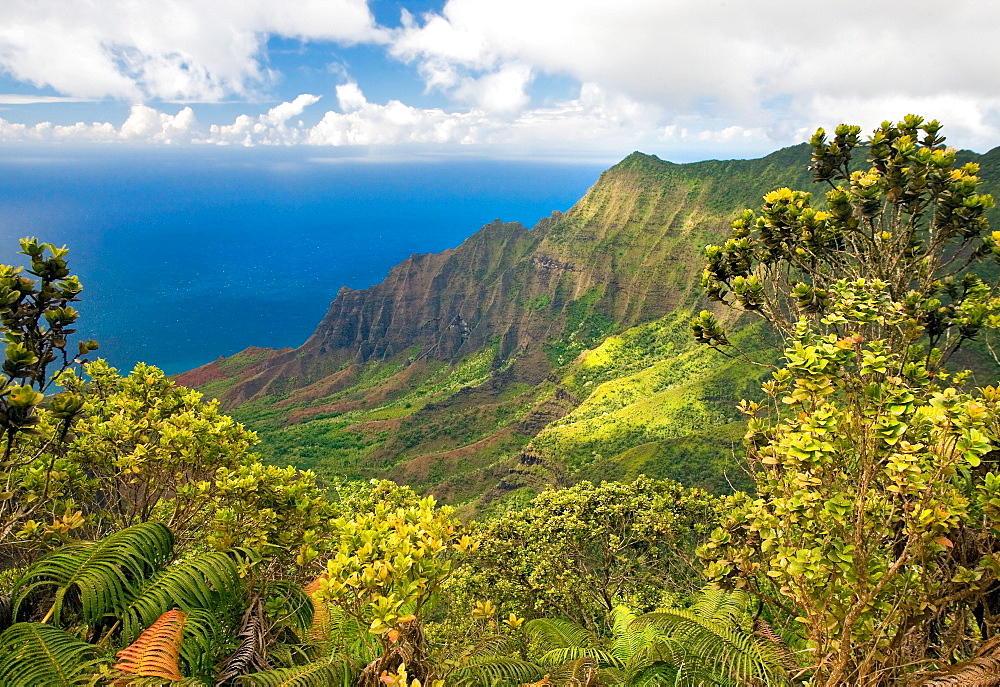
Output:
x=190 y=254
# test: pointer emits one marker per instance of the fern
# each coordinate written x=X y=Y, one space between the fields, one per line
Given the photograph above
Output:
x=581 y=671
x=156 y=652
x=32 y=654
x=708 y=641
x=721 y=605
x=320 y=627
x=317 y=674
x=292 y=604
x=575 y=653
x=251 y=651
x=494 y=670
x=101 y=572
x=202 y=638
x=210 y=581
x=349 y=637
x=555 y=633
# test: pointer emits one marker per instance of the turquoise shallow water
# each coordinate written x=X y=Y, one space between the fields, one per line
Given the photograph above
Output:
x=189 y=255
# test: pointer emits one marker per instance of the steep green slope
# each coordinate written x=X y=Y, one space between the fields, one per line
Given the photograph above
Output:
x=523 y=358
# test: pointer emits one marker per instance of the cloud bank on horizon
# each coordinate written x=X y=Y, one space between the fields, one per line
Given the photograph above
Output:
x=596 y=75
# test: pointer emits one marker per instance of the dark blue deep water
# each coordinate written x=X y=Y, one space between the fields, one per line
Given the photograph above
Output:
x=186 y=255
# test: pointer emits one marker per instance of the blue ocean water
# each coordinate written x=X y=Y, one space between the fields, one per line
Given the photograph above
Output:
x=186 y=255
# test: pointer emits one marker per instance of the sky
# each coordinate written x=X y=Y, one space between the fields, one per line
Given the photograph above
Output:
x=683 y=79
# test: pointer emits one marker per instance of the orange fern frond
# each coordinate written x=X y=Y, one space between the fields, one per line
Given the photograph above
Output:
x=156 y=651
x=322 y=623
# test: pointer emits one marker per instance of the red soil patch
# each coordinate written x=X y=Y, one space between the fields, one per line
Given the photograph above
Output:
x=416 y=470
x=201 y=375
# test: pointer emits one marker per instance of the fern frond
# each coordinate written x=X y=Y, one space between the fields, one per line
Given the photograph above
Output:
x=291 y=605
x=494 y=670
x=250 y=653
x=320 y=628
x=554 y=657
x=156 y=651
x=318 y=674
x=202 y=640
x=209 y=580
x=630 y=639
x=621 y=618
x=582 y=672
x=554 y=633
x=982 y=670
x=720 y=605
x=33 y=654
x=716 y=644
x=659 y=674
x=351 y=638
x=100 y=571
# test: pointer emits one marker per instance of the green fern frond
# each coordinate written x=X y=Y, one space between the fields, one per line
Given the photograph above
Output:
x=657 y=675
x=621 y=618
x=603 y=658
x=203 y=637
x=582 y=671
x=102 y=571
x=554 y=633
x=351 y=638
x=494 y=670
x=209 y=580
x=292 y=605
x=318 y=674
x=33 y=654
x=716 y=644
x=630 y=639
x=721 y=605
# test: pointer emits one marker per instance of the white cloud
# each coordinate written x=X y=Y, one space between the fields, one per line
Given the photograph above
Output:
x=501 y=91
x=267 y=129
x=771 y=67
x=364 y=123
x=20 y=99
x=144 y=125
x=664 y=75
x=350 y=97
x=280 y=114
x=171 y=49
x=148 y=125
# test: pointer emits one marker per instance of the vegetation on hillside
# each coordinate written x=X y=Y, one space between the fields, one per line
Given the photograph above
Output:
x=143 y=543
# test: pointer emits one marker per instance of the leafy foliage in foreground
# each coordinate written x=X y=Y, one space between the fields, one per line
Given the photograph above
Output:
x=34 y=654
x=710 y=643
x=876 y=512
x=582 y=551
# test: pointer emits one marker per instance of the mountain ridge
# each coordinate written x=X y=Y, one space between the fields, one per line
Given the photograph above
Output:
x=455 y=373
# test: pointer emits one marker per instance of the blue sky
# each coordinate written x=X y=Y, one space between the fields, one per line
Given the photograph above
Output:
x=684 y=79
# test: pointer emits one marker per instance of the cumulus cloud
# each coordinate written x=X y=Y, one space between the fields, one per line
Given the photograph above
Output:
x=661 y=75
x=768 y=67
x=171 y=50
x=365 y=123
x=143 y=125
x=267 y=129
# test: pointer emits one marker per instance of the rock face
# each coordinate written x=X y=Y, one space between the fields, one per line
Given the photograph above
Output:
x=447 y=304
x=629 y=251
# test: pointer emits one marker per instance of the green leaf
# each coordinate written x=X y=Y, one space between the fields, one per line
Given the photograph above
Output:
x=102 y=572
x=33 y=654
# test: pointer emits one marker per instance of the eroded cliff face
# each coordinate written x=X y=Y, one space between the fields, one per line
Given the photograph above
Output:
x=626 y=253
